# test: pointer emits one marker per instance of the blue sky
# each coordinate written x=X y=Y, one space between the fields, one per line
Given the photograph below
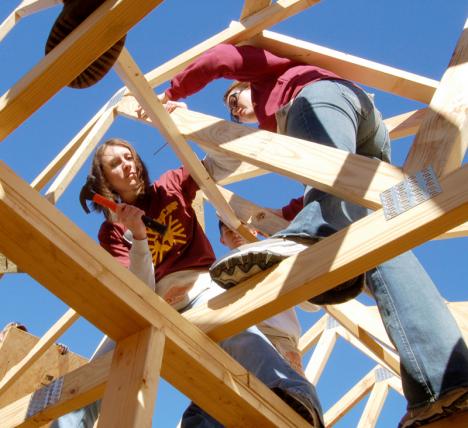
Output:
x=416 y=36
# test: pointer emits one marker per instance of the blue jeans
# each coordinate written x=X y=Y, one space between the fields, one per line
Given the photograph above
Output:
x=433 y=354
x=250 y=348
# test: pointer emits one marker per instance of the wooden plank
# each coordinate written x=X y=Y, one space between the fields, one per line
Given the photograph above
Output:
x=28 y=7
x=346 y=335
x=108 y=24
x=46 y=341
x=237 y=32
x=253 y=6
x=79 y=388
x=261 y=219
x=7 y=25
x=54 y=251
x=347 y=253
x=374 y=405
x=322 y=352
x=326 y=168
x=457 y=232
x=405 y=124
x=388 y=79
x=311 y=336
x=133 y=381
x=350 y=399
x=7 y=266
x=51 y=365
x=127 y=108
x=134 y=79
x=67 y=152
x=80 y=156
x=442 y=139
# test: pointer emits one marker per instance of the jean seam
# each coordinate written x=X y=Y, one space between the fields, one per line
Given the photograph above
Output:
x=405 y=342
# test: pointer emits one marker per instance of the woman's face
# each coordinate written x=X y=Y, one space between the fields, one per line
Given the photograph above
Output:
x=239 y=103
x=120 y=170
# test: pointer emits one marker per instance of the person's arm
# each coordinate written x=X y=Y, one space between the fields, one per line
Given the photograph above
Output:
x=128 y=243
x=288 y=212
x=243 y=63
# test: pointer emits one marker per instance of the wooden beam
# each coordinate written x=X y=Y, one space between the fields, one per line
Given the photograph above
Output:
x=133 y=381
x=51 y=365
x=457 y=232
x=350 y=67
x=312 y=336
x=38 y=350
x=7 y=266
x=67 y=152
x=28 y=7
x=127 y=108
x=350 y=399
x=105 y=26
x=54 y=251
x=75 y=390
x=456 y=420
x=134 y=79
x=253 y=6
x=344 y=255
x=372 y=354
x=236 y=33
x=261 y=219
x=79 y=157
x=329 y=169
x=442 y=139
x=405 y=124
x=320 y=356
x=374 y=405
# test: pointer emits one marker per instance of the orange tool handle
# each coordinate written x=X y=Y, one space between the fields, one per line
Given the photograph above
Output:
x=101 y=200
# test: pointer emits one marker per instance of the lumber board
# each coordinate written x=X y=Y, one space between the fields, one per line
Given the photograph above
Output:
x=134 y=79
x=457 y=420
x=80 y=156
x=344 y=255
x=388 y=79
x=261 y=219
x=51 y=365
x=67 y=152
x=253 y=6
x=56 y=252
x=312 y=336
x=353 y=177
x=39 y=349
x=405 y=124
x=28 y=7
x=79 y=388
x=235 y=33
x=127 y=108
x=105 y=26
x=319 y=358
x=7 y=266
x=374 y=405
x=350 y=399
x=7 y=25
x=133 y=381
x=442 y=139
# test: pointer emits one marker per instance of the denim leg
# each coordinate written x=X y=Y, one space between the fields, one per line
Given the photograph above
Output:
x=433 y=355
x=256 y=354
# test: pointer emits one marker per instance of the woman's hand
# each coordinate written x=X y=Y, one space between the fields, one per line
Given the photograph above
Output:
x=169 y=105
x=130 y=217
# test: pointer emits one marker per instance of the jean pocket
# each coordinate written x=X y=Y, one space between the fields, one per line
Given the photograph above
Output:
x=357 y=98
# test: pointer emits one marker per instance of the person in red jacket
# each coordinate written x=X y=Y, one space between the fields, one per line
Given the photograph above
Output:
x=175 y=264
x=314 y=104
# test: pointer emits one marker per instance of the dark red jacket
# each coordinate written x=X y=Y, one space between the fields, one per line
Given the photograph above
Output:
x=274 y=80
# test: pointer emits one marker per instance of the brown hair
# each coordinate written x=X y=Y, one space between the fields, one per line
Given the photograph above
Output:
x=235 y=85
x=103 y=187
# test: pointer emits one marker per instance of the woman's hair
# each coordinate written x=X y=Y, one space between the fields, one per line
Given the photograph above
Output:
x=103 y=187
x=235 y=85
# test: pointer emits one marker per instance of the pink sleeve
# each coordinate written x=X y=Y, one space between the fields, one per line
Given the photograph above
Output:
x=243 y=63
x=292 y=209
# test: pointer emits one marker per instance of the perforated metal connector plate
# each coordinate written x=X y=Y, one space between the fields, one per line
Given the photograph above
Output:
x=410 y=192
x=45 y=397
